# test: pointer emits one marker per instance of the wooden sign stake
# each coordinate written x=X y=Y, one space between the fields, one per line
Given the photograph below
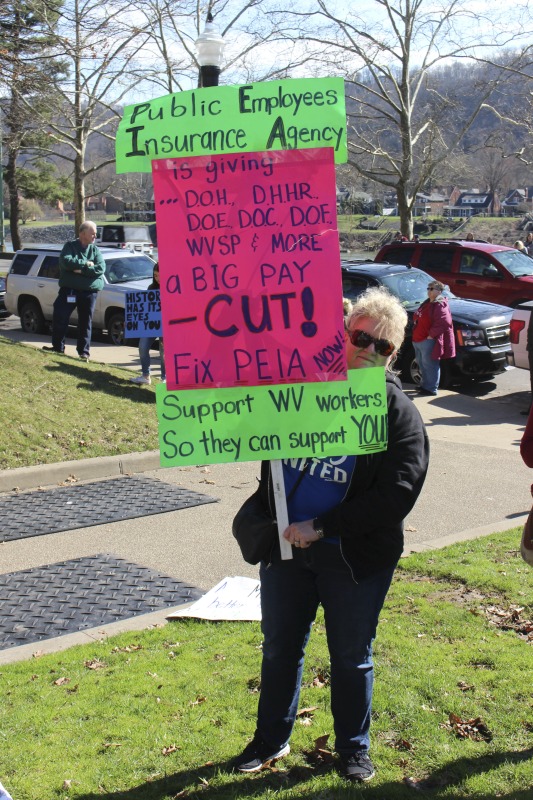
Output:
x=282 y=514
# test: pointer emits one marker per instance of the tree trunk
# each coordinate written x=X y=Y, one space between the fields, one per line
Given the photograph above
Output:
x=79 y=193
x=14 y=202
x=405 y=212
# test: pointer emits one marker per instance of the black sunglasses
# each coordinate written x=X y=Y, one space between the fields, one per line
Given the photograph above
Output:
x=363 y=339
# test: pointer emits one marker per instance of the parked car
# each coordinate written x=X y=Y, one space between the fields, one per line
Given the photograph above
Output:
x=32 y=286
x=137 y=238
x=519 y=326
x=481 y=329
x=477 y=270
x=3 y=311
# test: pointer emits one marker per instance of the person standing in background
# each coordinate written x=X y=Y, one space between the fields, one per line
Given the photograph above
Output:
x=433 y=337
x=146 y=343
x=81 y=277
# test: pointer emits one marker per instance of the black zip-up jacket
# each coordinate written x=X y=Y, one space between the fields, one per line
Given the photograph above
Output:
x=383 y=490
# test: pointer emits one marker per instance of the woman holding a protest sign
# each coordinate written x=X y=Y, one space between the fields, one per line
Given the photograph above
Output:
x=346 y=528
x=146 y=343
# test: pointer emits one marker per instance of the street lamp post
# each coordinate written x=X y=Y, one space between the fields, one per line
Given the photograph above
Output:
x=210 y=46
x=2 y=232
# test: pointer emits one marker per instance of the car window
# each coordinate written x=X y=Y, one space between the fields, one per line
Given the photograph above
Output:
x=437 y=259
x=22 y=263
x=50 y=267
x=476 y=264
x=354 y=285
x=122 y=270
x=410 y=287
x=517 y=263
x=138 y=234
x=399 y=255
x=112 y=233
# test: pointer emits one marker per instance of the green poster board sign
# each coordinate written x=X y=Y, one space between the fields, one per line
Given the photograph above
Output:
x=273 y=115
x=250 y=423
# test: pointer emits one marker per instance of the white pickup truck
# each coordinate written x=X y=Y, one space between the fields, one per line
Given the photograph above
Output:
x=519 y=326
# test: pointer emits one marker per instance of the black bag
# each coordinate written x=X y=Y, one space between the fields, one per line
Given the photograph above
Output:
x=253 y=527
x=255 y=530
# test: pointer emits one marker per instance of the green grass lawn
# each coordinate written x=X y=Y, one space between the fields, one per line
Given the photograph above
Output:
x=56 y=408
x=159 y=714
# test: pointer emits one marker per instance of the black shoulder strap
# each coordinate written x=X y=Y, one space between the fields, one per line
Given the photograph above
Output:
x=299 y=480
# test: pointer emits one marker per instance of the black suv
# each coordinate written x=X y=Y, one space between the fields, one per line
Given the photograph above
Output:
x=481 y=329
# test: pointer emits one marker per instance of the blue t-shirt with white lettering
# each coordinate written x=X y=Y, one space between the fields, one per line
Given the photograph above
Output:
x=323 y=486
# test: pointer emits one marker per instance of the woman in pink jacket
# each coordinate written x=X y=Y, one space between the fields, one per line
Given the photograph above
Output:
x=433 y=337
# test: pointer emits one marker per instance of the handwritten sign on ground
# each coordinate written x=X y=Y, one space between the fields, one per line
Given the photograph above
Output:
x=211 y=426
x=232 y=598
x=251 y=286
x=271 y=115
x=143 y=314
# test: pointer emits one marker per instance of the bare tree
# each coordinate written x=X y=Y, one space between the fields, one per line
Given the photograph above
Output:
x=257 y=44
x=100 y=52
x=401 y=128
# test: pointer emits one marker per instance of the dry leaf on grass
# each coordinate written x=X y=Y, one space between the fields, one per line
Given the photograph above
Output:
x=112 y=744
x=319 y=755
x=95 y=663
x=306 y=711
x=305 y=715
x=401 y=744
x=320 y=680
x=464 y=687
x=61 y=681
x=200 y=699
x=474 y=728
x=172 y=748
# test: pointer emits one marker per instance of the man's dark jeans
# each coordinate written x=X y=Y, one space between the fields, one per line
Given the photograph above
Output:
x=290 y=594
x=84 y=304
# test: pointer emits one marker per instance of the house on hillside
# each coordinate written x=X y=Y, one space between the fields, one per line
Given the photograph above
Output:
x=472 y=203
x=105 y=202
x=516 y=199
x=432 y=204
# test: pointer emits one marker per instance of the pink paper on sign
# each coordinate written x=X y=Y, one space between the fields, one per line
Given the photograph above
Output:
x=251 y=289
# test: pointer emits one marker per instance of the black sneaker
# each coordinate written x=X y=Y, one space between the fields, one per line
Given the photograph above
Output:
x=52 y=349
x=258 y=754
x=358 y=767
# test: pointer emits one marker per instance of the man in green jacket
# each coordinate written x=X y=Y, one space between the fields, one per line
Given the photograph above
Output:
x=81 y=271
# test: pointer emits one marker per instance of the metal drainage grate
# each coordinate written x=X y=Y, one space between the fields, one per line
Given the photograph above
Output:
x=72 y=507
x=82 y=593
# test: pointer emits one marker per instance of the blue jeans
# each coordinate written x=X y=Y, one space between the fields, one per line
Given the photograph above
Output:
x=145 y=345
x=429 y=367
x=291 y=592
x=84 y=304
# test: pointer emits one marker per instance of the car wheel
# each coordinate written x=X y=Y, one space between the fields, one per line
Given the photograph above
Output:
x=31 y=317
x=410 y=368
x=115 y=329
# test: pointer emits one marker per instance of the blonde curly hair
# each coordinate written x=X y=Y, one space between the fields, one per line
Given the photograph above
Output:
x=379 y=305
